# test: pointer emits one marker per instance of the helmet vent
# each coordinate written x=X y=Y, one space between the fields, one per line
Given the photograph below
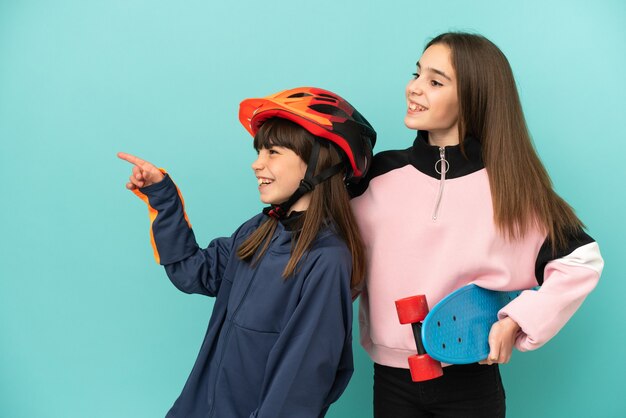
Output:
x=324 y=99
x=329 y=110
x=293 y=96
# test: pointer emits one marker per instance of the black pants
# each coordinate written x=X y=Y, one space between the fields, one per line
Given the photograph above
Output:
x=464 y=391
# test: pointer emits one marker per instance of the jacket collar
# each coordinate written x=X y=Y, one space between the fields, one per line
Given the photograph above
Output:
x=425 y=157
x=288 y=228
x=293 y=222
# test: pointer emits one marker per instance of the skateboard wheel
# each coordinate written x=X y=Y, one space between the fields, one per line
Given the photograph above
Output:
x=412 y=309
x=424 y=367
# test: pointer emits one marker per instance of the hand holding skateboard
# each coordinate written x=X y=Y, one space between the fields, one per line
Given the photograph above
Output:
x=456 y=330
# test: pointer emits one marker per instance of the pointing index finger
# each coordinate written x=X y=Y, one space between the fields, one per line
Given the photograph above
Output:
x=130 y=158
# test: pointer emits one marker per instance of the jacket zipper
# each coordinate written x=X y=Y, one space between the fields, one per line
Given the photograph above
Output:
x=228 y=331
x=234 y=315
x=442 y=170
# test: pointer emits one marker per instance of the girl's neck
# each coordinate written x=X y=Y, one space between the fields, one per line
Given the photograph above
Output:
x=439 y=139
x=301 y=204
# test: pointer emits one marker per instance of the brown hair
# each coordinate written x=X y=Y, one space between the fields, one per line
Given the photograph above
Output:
x=490 y=111
x=329 y=201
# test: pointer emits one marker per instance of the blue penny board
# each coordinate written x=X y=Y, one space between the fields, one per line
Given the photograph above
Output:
x=456 y=330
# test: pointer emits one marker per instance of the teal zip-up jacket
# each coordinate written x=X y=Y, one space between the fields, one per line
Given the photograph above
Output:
x=274 y=347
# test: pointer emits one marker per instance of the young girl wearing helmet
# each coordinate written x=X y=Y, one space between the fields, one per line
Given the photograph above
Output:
x=469 y=202
x=279 y=339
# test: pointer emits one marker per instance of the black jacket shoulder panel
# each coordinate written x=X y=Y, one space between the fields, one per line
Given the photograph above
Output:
x=575 y=240
x=382 y=163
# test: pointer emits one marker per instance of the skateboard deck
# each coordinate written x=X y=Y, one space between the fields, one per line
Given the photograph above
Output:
x=456 y=329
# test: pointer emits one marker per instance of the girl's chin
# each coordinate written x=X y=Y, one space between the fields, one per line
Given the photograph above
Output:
x=411 y=123
x=270 y=202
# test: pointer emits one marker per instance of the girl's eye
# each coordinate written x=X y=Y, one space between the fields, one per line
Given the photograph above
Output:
x=415 y=76
x=272 y=151
x=435 y=83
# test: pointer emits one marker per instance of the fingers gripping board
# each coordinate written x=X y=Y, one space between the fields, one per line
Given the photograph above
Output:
x=456 y=330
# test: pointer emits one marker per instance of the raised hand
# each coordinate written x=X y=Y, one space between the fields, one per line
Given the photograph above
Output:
x=144 y=173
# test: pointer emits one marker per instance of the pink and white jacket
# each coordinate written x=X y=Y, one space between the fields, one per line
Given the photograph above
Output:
x=429 y=230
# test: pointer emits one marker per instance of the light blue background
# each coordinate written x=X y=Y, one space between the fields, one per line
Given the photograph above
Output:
x=89 y=324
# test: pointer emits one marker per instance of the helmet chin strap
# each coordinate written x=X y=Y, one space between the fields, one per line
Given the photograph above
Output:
x=307 y=184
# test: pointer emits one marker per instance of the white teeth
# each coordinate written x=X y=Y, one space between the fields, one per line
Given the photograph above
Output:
x=414 y=106
x=263 y=181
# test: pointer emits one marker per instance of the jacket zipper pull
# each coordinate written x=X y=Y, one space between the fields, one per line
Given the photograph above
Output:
x=442 y=169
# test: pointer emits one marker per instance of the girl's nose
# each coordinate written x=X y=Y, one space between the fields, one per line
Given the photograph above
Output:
x=258 y=163
x=414 y=87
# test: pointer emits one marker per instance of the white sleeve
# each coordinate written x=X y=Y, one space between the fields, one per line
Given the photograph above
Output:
x=566 y=283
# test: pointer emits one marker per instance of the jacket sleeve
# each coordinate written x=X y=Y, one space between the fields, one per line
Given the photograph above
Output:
x=311 y=362
x=566 y=279
x=190 y=268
